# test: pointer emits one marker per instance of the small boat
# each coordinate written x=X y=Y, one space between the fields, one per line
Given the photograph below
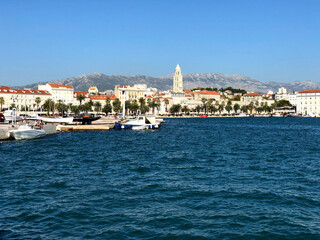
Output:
x=242 y=115
x=86 y=119
x=25 y=132
x=140 y=123
x=68 y=120
x=204 y=116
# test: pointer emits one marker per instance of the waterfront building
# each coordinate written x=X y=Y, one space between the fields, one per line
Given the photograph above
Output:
x=22 y=98
x=282 y=94
x=308 y=102
x=133 y=92
x=251 y=97
x=59 y=92
x=198 y=95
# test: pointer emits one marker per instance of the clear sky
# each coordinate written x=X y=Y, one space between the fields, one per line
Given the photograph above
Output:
x=269 y=40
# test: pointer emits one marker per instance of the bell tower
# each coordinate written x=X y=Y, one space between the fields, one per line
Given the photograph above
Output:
x=177 y=80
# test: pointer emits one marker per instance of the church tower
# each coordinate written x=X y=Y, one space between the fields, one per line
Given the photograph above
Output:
x=177 y=80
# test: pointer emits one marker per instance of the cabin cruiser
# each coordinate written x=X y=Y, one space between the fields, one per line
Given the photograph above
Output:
x=140 y=123
x=25 y=132
x=86 y=118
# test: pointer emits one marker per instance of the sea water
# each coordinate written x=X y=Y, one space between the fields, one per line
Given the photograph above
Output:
x=217 y=178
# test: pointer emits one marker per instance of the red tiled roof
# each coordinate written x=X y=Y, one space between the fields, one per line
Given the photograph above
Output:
x=252 y=95
x=60 y=86
x=206 y=92
x=310 y=91
x=98 y=97
x=23 y=91
x=81 y=93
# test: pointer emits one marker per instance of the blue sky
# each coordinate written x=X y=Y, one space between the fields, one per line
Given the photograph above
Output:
x=275 y=40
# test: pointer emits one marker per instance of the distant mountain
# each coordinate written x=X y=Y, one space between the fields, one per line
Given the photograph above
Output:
x=190 y=80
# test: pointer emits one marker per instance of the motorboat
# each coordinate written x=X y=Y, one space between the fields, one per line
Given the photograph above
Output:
x=11 y=115
x=86 y=118
x=67 y=120
x=25 y=132
x=140 y=123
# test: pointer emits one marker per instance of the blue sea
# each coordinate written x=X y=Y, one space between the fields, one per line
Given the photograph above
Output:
x=217 y=178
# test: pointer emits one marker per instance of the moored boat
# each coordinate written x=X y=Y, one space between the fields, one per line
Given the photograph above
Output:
x=67 y=120
x=140 y=123
x=25 y=132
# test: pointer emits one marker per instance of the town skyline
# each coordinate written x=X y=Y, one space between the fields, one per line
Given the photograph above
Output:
x=268 y=41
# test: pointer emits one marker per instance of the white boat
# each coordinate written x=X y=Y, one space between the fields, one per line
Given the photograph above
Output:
x=25 y=132
x=11 y=115
x=242 y=115
x=140 y=123
x=68 y=120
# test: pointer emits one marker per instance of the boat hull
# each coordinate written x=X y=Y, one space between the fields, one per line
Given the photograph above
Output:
x=120 y=126
x=27 y=134
x=68 y=120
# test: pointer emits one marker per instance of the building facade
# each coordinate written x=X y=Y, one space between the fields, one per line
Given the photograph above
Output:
x=137 y=91
x=23 y=98
x=308 y=102
x=59 y=92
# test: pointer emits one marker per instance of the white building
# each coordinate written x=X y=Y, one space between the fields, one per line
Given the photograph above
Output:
x=22 y=98
x=59 y=92
x=308 y=102
x=133 y=92
x=282 y=94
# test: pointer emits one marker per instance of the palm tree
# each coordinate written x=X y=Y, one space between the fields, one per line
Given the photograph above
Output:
x=127 y=105
x=97 y=106
x=80 y=98
x=185 y=109
x=198 y=108
x=38 y=101
x=107 y=107
x=251 y=107
x=134 y=106
x=166 y=102
x=1 y=102
x=48 y=105
x=204 y=100
x=220 y=108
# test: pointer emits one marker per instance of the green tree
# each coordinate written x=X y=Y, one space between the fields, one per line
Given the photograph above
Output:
x=153 y=104
x=86 y=107
x=228 y=108
x=75 y=109
x=221 y=108
x=244 y=108
x=12 y=106
x=204 y=106
x=185 y=109
x=134 y=106
x=37 y=101
x=49 y=105
x=236 y=107
x=117 y=105
x=283 y=103
x=61 y=107
x=166 y=102
x=175 y=108
x=127 y=106
x=107 y=108
x=251 y=107
x=80 y=98
x=1 y=103
x=198 y=108
x=97 y=106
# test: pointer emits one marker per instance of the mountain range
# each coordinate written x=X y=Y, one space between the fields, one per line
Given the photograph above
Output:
x=190 y=80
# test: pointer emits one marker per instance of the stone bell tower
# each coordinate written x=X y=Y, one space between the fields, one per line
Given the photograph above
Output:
x=177 y=80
